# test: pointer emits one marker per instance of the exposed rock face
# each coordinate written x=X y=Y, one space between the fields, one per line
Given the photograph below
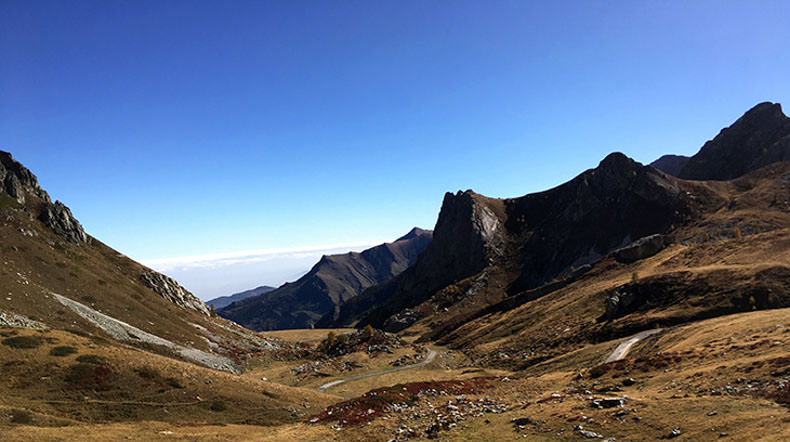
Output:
x=333 y=280
x=171 y=290
x=18 y=182
x=760 y=137
x=642 y=248
x=58 y=217
x=14 y=320
x=671 y=164
x=469 y=236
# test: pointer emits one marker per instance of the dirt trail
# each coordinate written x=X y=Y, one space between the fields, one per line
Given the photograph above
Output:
x=622 y=350
x=428 y=360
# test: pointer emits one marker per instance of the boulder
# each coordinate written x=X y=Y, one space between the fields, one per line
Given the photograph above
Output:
x=642 y=248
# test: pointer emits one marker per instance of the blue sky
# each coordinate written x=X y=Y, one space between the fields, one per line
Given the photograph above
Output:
x=180 y=128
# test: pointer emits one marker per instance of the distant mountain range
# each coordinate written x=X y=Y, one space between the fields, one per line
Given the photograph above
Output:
x=334 y=280
x=490 y=253
x=224 y=301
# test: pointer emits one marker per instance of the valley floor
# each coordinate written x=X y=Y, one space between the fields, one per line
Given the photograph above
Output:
x=719 y=379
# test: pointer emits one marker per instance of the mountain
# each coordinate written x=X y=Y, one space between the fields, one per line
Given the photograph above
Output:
x=333 y=280
x=57 y=276
x=492 y=255
x=671 y=164
x=760 y=137
x=224 y=301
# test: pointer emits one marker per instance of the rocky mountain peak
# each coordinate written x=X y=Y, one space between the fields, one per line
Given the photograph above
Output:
x=760 y=137
x=414 y=233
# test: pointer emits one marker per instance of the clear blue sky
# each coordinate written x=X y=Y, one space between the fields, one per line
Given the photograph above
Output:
x=189 y=127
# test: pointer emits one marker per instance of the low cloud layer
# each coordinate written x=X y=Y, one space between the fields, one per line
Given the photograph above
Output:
x=210 y=276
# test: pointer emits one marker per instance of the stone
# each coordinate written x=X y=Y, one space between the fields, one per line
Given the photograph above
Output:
x=59 y=219
x=608 y=402
x=590 y=434
x=642 y=248
x=171 y=290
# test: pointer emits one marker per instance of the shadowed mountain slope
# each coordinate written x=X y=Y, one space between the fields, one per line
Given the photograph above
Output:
x=490 y=252
x=760 y=137
x=332 y=281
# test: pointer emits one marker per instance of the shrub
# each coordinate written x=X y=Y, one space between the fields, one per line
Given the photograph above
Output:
x=147 y=372
x=23 y=342
x=21 y=417
x=173 y=382
x=218 y=406
x=368 y=332
x=89 y=374
x=92 y=359
x=63 y=350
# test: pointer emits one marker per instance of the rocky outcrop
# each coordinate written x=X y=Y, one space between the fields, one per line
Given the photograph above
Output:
x=469 y=236
x=335 y=279
x=642 y=248
x=17 y=180
x=59 y=219
x=19 y=183
x=171 y=290
x=760 y=137
x=14 y=320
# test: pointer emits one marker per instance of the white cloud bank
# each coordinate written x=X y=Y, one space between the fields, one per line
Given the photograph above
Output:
x=212 y=275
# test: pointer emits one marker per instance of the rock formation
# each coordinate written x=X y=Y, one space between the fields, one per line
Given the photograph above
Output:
x=18 y=182
x=171 y=290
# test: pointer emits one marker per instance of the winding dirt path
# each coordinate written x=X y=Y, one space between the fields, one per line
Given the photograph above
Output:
x=622 y=350
x=428 y=359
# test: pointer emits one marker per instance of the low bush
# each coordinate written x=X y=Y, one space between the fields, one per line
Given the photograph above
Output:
x=147 y=372
x=63 y=350
x=21 y=417
x=218 y=406
x=25 y=342
x=92 y=359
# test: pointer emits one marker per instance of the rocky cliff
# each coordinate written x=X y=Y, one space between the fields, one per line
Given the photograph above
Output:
x=20 y=184
x=333 y=280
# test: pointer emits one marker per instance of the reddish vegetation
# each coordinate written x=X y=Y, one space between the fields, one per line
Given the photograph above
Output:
x=374 y=403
